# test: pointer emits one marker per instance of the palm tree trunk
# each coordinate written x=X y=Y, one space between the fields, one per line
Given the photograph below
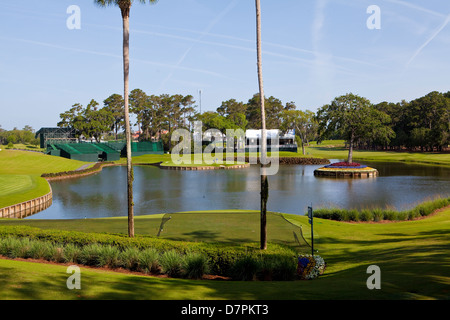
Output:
x=126 y=69
x=263 y=143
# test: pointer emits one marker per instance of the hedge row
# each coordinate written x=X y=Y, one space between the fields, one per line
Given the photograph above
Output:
x=369 y=215
x=171 y=263
x=221 y=257
x=96 y=167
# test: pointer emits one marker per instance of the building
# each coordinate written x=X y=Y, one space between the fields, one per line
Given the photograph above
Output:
x=284 y=142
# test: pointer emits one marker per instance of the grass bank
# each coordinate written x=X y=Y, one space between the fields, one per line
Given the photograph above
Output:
x=20 y=174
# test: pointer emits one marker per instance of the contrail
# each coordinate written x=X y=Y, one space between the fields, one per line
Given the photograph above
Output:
x=111 y=55
x=416 y=7
x=434 y=35
x=203 y=34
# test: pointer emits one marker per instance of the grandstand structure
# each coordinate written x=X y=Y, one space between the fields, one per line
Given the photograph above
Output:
x=55 y=135
x=104 y=151
x=61 y=142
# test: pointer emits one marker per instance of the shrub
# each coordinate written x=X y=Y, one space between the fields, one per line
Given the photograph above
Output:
x=322 y=213
x=353 y=215
x=195 y=265
x=41 y=250
x=402 y=216
x=221 y=256
x=284 y=269
x=56 y=253
x=71 y=253
x=109 y=256
x=11 y=247
x=377 y=215
x=130 y=258
x=90 y=255
x=366 y=215
x=421 y=210
x=171 y=263
x=245 y=268
x=337 y=214
x=149 y=261
x=390 y=215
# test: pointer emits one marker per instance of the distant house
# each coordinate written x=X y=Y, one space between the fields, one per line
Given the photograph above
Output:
x=135 y=135
x=286 y=142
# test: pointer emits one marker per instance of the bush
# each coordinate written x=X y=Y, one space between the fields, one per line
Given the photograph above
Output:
x=71 y=253
x=353 y=215
x=338 y=214
x=149 y=261
x=109 y=257
x=90 y=255
x=130 y=258
x=171 y=263
x=11 y=247
x=246 y=268
x=41 y=250
x=390 y=215
x=402 y=216
x=195 y=265
x=56 y=253
x=377 y=215
x=87 y=248
x=366 y=215
x=421 y=210
x=285 y=269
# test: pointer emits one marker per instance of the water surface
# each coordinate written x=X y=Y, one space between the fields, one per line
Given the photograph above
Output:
x=292 y=190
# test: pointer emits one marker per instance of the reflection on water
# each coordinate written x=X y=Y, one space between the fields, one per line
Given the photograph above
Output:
x=292 y=190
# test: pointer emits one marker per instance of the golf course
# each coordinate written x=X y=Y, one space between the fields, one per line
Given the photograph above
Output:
x=412 y=255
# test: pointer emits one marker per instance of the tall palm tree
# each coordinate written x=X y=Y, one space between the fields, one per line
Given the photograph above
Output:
x=263 y=141
x=125 y=6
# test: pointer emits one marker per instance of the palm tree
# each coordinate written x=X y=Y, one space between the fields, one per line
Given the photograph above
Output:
x=263 y=143
x=125 y=6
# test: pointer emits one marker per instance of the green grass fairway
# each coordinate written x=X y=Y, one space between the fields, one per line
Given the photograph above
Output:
x=18 y=188
x=20 y=173
x=233 y=226
x=413 y=257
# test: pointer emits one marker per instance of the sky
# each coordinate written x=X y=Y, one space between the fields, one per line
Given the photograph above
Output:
x=313 y=51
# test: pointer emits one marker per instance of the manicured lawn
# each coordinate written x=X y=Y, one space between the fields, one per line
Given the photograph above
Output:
x=413 y=258
x=232 y=226
x=20 y=173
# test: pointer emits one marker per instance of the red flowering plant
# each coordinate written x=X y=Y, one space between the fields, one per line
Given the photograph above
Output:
x=346 y=165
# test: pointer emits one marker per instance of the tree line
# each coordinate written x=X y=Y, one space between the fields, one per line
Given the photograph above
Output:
x=18 y=136
x=421 y=124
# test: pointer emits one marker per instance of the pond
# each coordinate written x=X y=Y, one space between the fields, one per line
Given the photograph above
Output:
x=399 y=186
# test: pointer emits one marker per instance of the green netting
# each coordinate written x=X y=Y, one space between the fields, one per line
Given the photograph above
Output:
x=109 y=151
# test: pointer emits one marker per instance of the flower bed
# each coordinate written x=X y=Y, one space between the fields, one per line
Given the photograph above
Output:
x=310 y=267
x=346 y=165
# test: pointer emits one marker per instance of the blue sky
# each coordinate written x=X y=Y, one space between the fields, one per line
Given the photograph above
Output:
x=313 y=51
